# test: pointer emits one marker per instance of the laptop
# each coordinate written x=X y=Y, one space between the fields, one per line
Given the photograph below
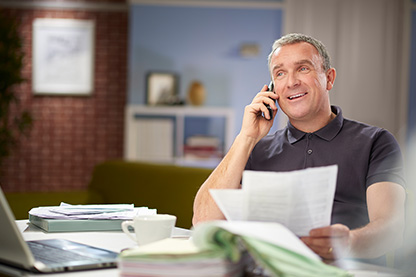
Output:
x=45 y=256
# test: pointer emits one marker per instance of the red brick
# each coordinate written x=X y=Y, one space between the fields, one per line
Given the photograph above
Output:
x=71 y=134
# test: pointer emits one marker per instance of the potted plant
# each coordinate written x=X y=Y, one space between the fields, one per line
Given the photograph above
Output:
x=13 y=121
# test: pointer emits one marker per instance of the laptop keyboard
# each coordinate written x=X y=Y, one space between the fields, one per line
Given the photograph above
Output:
x=48 y=254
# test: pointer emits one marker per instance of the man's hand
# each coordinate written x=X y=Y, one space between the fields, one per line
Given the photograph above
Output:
x=384 y=232
x=255 y=126
x=332 y=242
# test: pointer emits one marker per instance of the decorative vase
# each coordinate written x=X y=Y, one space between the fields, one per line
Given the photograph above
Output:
x=196 y=93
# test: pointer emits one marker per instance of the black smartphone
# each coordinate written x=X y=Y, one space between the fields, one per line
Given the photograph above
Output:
x=271 y=88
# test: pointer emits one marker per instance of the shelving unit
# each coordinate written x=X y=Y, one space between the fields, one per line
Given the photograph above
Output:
x=159 y=134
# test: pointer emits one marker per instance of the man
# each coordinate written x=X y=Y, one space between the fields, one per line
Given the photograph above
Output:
x=368 y=211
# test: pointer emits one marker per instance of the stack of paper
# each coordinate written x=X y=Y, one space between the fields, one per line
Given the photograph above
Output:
x=300 y=200
x=222 y=248
x=176 y=257
x=65 y=218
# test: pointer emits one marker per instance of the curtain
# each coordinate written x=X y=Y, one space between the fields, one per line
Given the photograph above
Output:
x=365 y=41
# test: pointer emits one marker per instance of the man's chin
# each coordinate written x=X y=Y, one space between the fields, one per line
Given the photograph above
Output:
x=295 y=113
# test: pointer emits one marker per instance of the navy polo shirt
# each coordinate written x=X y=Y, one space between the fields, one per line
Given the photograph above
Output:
x=364 y=154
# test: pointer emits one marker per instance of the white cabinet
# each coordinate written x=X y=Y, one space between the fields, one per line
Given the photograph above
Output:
x=184 y=135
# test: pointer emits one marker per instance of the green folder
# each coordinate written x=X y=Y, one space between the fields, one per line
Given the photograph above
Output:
x=279 y=257
x=75 y=225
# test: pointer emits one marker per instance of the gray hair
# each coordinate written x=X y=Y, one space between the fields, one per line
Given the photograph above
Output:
x=297 y=38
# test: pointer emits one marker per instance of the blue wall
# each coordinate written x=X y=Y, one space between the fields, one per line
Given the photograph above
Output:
x=202 y=43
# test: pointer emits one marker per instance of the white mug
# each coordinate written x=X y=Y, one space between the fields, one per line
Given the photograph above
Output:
x=150 y=228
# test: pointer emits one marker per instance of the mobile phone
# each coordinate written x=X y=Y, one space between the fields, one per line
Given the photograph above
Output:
x=271 y=88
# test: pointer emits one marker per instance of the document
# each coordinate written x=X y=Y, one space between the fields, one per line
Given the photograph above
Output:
x=104 y=211
x=301 y=200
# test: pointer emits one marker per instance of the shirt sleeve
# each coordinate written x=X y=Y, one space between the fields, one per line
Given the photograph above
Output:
x=386 y=161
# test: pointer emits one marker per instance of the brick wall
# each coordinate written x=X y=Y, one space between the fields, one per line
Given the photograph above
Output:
x=71 y=134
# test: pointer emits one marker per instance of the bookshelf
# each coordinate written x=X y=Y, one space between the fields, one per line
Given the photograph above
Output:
x=183 y=135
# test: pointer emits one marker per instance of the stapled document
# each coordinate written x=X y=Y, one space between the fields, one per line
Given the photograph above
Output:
x=301 y=200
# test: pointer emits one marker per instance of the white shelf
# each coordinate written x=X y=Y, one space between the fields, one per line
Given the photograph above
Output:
x=165 y=144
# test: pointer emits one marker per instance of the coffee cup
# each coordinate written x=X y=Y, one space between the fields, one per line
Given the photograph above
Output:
x=150 y=228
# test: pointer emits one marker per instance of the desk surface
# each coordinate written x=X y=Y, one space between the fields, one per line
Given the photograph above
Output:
x=114 y=241
x=117 y=240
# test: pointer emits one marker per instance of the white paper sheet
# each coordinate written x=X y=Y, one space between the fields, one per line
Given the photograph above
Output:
x=67 y=209
x=230 y=202
x=108 y=211
x=300 y=200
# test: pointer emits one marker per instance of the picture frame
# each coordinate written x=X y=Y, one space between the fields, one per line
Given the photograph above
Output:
x=63 y=56
x=161 y=88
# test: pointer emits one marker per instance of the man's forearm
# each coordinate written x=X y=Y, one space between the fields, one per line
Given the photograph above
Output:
x=377 y=238
x=227 y=175
x=384 y=233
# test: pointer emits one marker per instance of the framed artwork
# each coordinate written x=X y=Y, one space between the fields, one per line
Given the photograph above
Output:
x=63 y=56
x=162 y=88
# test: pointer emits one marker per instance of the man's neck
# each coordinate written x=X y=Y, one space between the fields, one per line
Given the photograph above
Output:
x=313 y=125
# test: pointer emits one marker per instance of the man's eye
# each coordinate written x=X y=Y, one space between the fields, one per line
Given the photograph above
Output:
x=303 y=68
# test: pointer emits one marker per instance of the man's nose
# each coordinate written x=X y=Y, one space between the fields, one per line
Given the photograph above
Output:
x=293 y=81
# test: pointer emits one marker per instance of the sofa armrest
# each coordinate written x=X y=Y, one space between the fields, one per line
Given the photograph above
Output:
x=22 y=202
x=168 y=188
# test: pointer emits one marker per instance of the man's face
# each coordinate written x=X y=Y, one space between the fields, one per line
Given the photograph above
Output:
x=301 y=82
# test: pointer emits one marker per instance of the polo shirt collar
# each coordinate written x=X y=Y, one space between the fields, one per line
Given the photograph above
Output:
x=327 y=133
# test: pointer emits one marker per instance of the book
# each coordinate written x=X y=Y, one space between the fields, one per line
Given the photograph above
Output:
x=202 y=151
x=75 y=225
x=228 y=248
x=204 y=141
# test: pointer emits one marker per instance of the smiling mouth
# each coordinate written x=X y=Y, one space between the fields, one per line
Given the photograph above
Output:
x=296 y=96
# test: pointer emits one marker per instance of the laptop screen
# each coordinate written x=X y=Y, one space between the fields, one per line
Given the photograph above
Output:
x=15 y=250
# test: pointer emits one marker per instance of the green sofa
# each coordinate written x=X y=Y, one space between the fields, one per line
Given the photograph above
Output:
x=168 y=188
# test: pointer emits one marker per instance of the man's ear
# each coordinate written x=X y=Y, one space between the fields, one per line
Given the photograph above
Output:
x=330 y=78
